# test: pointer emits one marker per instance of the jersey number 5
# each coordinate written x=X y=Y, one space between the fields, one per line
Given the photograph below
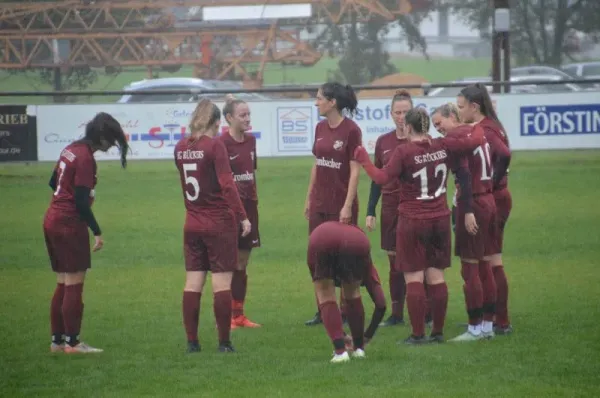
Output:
x=422 y=174
x=191 y=180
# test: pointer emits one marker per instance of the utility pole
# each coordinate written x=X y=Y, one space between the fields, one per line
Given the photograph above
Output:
x=501 y=44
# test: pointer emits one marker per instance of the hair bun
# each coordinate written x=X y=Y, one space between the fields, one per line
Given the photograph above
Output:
x=402 y=93
x=229 y=98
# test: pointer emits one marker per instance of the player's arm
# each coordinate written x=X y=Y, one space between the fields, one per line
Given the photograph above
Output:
x=461 y=144
x=53 y=183
x=502 y=156
x=226 y=182
x=352 y=184
x=375 y=191
x=84 y=183
x=380 y=176
x=255 y=157
x=463 y=179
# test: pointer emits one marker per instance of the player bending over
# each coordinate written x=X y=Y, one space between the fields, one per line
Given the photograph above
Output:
x=66 y=226
x=338 y=251
x=211 y=232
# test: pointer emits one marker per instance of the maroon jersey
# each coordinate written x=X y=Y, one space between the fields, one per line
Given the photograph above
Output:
x=498 y=146
x=422 y=169
x=478 y=163
x=211 y=198
x=242 y=159
x=384 y=149
x=337 y=237
x=76 y=167
x=333 y=149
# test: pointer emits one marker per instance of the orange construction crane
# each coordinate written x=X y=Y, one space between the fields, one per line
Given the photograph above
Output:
x=117 y=33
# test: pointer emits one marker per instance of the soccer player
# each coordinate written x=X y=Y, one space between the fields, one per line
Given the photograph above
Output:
x=423 y=232
x=475 y=106
x=211 y=232
x=341 y=253
x=474 y=223
x=241 y=149
x=384 y=148
x=334 y=176
x=66 y=226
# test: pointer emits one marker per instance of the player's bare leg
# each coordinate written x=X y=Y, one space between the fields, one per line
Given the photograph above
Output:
x=416 y=303
x=192 y=292
x=438 y=292
x=221 y=284
x=57 y=325
x=239 y=287
x=332 y=318
x=72 y=311
x=503 y=326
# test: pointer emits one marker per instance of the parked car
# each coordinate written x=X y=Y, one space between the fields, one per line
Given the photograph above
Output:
x=183 y=83
x=529 y=88
x=584 y=70
x=540 y=70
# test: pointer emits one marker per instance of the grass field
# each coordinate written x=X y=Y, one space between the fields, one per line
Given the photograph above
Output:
x=133 y=297
x=436 y=70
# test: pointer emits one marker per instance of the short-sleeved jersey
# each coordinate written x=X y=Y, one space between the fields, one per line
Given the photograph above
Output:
x=499 y=146
x=243 y=162
x=478 y=162
x=340 y=238
x=384 y=149
x=422 y=169
x=200 y=162
x=76 y=167
x=333 y=149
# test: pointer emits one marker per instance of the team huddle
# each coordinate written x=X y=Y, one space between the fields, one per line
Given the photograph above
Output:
x=410 y=172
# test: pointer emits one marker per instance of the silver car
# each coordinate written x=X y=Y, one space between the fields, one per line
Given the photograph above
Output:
x=183 y=83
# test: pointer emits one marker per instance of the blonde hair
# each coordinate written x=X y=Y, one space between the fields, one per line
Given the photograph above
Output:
x=204 y=116
x=447 y=110
x=230 y=103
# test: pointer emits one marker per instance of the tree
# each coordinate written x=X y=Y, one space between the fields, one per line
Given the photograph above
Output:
x=359 y=45
x=542 y=31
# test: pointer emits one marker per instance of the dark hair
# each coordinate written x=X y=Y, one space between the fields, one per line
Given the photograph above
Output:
x=402 y=95
x=105 y=127
x=446 y=110
x=204 y=116
x=230 y=103
x=345 y=98
x=478 y=94
x=418 y=119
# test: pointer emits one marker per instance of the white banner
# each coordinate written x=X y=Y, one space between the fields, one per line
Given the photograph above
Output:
x=286 y=128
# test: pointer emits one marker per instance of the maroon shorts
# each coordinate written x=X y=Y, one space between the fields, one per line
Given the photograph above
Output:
x=422 y=244
x=388 y=223
x=68 y=243
x=479 y=245
x=251 y=240
x=316 y=219
x=210 y=251
x=503 y=207
x=340 y=267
